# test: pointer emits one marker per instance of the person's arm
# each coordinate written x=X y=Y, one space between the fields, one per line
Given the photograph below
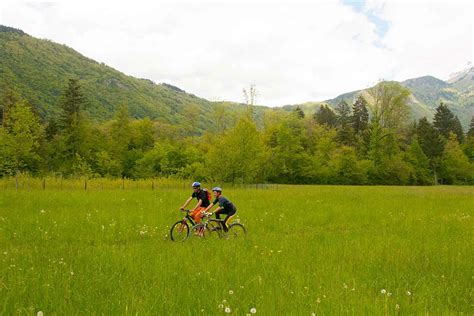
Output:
x=198 y=204
x=209 y=207
x=186 y=203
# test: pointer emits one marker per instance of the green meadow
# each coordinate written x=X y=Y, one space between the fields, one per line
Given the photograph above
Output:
x=322 y=250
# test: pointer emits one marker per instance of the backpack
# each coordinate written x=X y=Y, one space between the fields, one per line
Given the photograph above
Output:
x=208 y=195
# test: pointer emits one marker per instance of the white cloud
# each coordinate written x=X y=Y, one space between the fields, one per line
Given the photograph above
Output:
x=292 y=52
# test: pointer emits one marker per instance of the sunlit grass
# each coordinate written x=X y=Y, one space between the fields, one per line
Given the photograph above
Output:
x=309 y=249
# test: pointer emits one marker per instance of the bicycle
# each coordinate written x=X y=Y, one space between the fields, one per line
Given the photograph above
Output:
x=210 y=227
x=180 y=230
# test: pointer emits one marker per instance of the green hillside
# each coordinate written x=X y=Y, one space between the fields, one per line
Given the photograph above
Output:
x=39 y=70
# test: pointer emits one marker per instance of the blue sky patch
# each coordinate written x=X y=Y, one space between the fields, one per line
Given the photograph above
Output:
x=359 y=6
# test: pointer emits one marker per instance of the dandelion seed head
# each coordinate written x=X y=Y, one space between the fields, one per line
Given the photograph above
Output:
x=40 y=313
x=389 y=294
x=253 y=310
x=408 y=293
x=227 y=310
x=397 y=306
x=221 y=306
x=383 y=291
x=231 y=292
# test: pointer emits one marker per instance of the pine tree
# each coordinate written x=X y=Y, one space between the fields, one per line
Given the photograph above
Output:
x=457 y=129
x=343 y=112
x=445 y=122
x=360 y=116
x=470 y=132
x=299 y=112
x=431 y=142
x=326 y=116
x=72 y=103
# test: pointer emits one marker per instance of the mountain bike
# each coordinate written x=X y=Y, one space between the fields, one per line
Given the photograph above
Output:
x=180 y=230
x=212 y=228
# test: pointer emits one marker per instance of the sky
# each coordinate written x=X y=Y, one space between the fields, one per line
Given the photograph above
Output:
x=293 y=52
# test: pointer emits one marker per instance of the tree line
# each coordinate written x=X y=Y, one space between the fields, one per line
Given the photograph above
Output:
x=372 y=141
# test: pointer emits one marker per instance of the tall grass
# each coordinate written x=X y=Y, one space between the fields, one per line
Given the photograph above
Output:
x=310 y=249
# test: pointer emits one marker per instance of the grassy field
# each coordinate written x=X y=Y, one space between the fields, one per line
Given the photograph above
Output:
x=310 y=249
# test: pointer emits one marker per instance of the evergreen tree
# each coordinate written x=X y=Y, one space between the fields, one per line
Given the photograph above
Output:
x=299 y=112
x=445 y=122
x=432 y=144
x=360 y=116
x=470 y=132
x=74 y=147
x=458 y=130
x=326 y=116
x=345 y=133
x=72 y=103
x=343 y=112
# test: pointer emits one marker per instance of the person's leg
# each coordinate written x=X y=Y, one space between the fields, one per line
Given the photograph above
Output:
x=196 y=215
x=227 y=219
x=218 y=216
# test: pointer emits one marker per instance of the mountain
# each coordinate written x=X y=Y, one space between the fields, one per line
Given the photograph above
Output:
x=39 y=70
x=427 y=93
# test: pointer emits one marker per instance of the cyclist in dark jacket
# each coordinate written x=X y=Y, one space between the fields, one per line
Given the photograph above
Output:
x=203 y=201
x=225 y=206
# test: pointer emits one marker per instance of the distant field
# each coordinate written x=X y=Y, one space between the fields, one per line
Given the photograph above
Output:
x=310 y=249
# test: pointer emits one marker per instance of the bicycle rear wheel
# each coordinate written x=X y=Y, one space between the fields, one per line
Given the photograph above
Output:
x=179 y=231
x=236 y=230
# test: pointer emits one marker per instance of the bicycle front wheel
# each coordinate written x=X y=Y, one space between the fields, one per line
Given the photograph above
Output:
x=236 y=230
x=179 y=231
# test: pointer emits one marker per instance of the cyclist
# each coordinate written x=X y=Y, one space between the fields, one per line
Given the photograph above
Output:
x=203 y=201
x=225 y=206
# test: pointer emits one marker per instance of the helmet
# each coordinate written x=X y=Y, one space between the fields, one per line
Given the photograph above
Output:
x=196 y=185
x=217 y=189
